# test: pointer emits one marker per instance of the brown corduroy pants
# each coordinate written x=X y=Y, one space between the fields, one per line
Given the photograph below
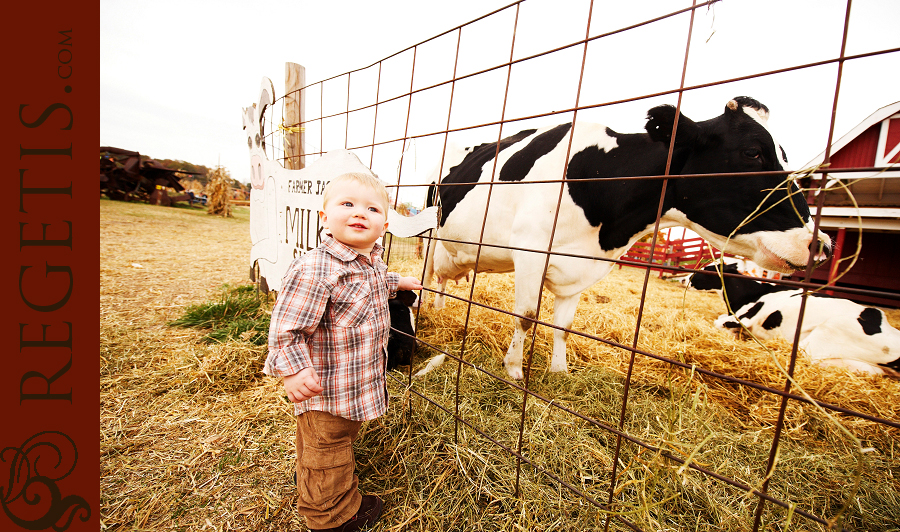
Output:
x=326 y=479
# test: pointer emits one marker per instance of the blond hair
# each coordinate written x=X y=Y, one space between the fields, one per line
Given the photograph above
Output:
x=367 y=180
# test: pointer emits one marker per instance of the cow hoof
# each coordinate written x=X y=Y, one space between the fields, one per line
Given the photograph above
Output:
x=559 y=369
x=515 y=373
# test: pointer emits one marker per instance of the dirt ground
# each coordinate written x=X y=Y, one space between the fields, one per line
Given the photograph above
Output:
x=162 y=263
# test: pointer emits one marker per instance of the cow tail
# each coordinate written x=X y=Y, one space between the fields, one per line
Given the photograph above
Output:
x=431 y=200
x=429 y=265
x=433 y=196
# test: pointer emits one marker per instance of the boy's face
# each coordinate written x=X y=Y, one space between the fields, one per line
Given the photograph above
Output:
x=355 y=215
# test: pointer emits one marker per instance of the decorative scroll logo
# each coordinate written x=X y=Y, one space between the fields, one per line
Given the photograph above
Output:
x=31 y=498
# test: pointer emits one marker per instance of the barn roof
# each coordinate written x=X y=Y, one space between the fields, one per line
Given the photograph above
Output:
x=875 y=119
x=873 y=201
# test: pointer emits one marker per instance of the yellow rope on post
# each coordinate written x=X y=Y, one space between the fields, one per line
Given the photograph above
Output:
x=291 y=129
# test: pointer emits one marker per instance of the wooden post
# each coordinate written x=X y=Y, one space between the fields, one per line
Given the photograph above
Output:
x=294 y=113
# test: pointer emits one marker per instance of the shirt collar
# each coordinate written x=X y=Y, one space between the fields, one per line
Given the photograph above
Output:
x=344 y=252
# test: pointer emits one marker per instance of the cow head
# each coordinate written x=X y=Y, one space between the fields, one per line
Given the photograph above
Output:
x=252 y=118
x=765 y=218
x=711 y=281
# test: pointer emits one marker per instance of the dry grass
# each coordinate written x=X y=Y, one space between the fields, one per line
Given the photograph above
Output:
x=191 y=437
x=195 y=438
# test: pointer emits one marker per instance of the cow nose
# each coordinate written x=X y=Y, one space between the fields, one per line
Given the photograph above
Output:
x=823 y=249
x=826 y=248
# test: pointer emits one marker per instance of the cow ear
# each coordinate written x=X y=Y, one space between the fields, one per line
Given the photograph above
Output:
x=659 y=127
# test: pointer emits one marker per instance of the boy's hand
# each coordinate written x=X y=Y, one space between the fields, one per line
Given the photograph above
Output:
x=409 y=283
x=302 y=386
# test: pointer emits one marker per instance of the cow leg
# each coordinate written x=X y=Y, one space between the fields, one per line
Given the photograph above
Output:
x=442 y=264
x=429 y=271
x=563 y=316
x=513 y=359
x=729 y=323
x=439 y=297
x=527 y=283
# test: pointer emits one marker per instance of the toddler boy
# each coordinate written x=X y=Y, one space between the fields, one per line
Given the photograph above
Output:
x=327 y=339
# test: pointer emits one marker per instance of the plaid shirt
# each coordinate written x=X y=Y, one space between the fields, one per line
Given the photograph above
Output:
x=332 y=315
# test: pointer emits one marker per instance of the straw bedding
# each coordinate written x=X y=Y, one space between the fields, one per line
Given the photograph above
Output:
x=193 y=437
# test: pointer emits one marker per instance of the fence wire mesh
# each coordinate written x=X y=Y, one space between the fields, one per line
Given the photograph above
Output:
x=480 y=79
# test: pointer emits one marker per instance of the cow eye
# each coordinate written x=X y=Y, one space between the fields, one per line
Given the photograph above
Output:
x=752 y=153
x=249 y=143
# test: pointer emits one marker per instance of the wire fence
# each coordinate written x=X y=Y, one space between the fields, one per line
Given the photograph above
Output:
x=404 y=248
x=410 y=106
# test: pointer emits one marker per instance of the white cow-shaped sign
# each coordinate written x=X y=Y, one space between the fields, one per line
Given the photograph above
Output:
x=284 y=204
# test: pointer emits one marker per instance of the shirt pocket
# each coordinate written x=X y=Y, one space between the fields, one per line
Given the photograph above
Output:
x=350 y=304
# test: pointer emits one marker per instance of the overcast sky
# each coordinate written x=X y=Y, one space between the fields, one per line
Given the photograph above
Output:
x=174 y=75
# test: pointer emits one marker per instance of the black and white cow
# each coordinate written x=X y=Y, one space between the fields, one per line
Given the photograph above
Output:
x=603 y=218
x=401 y=347
x=835 y=331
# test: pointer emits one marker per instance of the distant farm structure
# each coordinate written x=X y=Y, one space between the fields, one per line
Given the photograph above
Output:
x=126 y=175
x=861 y=209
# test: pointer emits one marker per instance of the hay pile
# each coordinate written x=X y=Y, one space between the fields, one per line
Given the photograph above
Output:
x=193 y=437
x=675 y=409
x=218 y=198
x=677 y=323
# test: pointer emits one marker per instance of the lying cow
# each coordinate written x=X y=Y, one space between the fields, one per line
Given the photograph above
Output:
x=601 y=219
x=835 y=331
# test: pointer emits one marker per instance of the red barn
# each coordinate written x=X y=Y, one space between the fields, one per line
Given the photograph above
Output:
x=872 y=145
